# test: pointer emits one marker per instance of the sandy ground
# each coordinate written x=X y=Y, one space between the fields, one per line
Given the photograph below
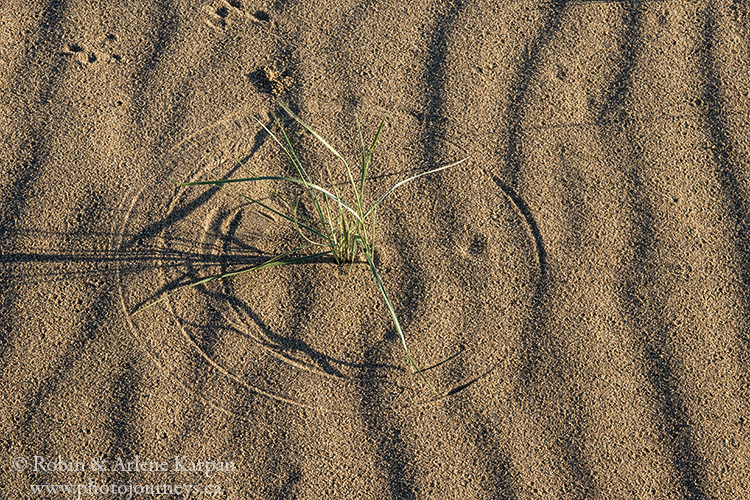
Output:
x=577 y=291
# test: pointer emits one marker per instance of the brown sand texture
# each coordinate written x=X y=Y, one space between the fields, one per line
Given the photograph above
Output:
x=576 y=291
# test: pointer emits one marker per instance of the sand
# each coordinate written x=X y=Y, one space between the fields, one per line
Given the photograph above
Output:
x=577 y=291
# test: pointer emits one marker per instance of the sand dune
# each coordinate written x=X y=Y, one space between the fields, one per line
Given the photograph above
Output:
x=577 y=291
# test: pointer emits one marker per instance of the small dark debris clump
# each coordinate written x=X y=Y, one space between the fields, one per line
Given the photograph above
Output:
x=261 y=16
x=271 y=80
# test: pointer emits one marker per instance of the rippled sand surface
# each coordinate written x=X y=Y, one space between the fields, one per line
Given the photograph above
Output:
x=577 y=291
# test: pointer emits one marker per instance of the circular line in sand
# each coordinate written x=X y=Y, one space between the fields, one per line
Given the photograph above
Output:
x=224 y=343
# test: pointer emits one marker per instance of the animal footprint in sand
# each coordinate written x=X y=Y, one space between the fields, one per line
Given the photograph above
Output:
x=85 y=56
x=271 y=79
x=224 y=13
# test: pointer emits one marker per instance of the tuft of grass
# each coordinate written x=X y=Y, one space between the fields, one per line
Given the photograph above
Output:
x=341 y=225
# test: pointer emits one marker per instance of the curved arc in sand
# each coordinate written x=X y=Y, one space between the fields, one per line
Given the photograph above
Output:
x=134 y=330
x=226 y=374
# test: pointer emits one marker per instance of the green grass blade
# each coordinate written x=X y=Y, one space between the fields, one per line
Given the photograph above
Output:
x=299 y=227
x=411 y=179
x=280 y=214
x=278 y=260
x=372 y=242
x=323 y=142
x=334 y=234
x=315 y=187
x=289 y=155
x=221 y=182
x=299 y=167
x=366 y=159
x=295 y=159
x=363 y=169
x=292 y=155
x=392 y=311
x=364 y=149
x=268 y=186
x=375 y=141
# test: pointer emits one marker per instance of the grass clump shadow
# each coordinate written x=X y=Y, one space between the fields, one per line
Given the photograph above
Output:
x=331 y=220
